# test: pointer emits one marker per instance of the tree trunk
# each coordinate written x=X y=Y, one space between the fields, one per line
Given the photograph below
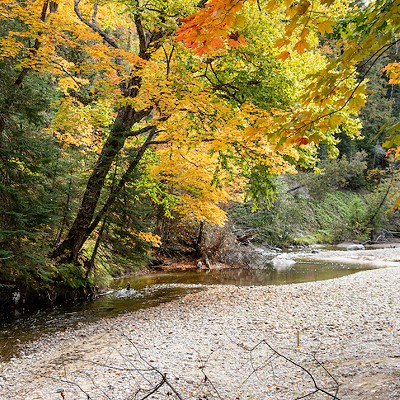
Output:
x=124 y=179
x=199 y=240
x=69 y=249
x=91 y=263
x=66 y=211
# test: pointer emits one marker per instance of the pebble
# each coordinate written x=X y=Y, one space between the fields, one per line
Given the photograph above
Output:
x=224 y=343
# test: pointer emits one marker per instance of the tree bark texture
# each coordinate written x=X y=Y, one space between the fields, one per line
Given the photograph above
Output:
x=69 y=249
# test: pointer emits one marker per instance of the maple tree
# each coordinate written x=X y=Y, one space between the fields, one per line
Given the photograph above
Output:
x=191 y=127
x=363 y=37
x=123 y=92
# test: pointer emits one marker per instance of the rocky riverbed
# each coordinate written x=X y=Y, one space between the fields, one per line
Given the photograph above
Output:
x=388 y=256
x=338 y=338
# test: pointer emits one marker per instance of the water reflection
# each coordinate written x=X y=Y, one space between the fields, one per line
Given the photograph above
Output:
x=151 y=290
x=297 y=273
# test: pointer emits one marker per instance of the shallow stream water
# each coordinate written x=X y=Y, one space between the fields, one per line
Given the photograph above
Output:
x=151 y=290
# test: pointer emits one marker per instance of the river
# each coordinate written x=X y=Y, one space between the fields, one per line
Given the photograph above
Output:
x=151 y=290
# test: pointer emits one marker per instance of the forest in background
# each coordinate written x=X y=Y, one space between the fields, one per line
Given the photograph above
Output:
x=132 y=132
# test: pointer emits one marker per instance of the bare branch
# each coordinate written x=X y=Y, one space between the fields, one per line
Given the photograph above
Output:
x=206 y=377
x=99 y=388
x=143 y=42
x=155 y=379
x=158 y=142
x=168 y=58
x=92 y=25
x=157 y=387
x=328 y=373
x=316 y=386
x=94 y=15
x=154 y=368
x=70 y=383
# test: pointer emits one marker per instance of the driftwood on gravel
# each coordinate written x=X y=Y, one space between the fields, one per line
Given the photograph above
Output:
x=152 y=383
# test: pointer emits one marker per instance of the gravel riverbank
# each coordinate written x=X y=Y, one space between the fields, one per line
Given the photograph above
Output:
x=230 y=343
x=378 y=258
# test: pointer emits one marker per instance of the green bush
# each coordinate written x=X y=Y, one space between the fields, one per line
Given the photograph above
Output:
x=310 y=210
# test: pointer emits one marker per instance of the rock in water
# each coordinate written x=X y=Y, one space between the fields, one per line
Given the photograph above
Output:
x=282 y=261
x=355 y=247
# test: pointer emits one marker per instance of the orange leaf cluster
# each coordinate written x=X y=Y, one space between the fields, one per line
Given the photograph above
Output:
x=393 y=70
x=213 y=27
x=302 y=16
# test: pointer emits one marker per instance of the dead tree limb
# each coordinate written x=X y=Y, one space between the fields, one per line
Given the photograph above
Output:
x=311 y=376
x=153 y=368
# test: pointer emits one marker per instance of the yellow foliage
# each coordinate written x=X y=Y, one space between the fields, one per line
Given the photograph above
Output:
x=71 y=124
x=208 y=144
x=393 y=70
x=151 y=238
x=325 y=27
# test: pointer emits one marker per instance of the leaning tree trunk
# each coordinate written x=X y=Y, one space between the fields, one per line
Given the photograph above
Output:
x=122 y=182
x=69 y=249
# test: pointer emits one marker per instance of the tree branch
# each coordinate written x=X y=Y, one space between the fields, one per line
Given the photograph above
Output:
x=24 y=72
x=124 y=179
x=168 y=58
x=317 y=388
x=143 y=43
x=164 y=377
x=92 y=25
x=139 y=116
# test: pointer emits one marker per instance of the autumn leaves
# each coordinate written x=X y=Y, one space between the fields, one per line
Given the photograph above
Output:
x=254 y=87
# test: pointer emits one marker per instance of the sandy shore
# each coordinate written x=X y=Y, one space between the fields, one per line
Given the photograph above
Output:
x=231 y=343
x=386 y=257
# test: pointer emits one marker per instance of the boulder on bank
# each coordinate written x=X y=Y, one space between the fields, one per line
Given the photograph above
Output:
x=282 y=261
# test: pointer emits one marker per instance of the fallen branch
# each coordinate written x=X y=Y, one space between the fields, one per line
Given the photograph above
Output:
x=316 y=386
